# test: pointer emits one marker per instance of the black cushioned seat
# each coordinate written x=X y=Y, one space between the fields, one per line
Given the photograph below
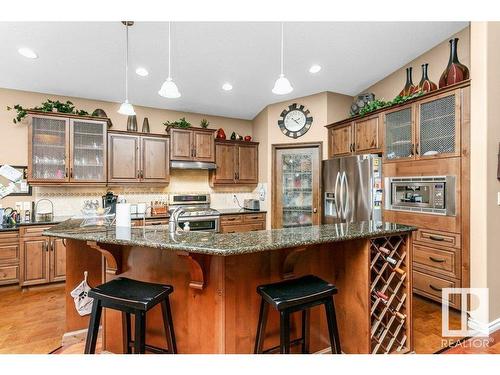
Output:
x=132 y=293
x=292 y=296
x=131 y=297
x=295 y=292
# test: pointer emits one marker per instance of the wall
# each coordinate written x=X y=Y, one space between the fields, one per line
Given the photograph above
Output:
x=325 y=108
x=485 y=139
x=437 y=58
x=14 y=140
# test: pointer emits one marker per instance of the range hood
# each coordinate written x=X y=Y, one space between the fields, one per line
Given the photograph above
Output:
x=176 y=164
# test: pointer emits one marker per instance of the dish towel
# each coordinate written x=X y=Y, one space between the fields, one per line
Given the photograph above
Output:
x=83 y=303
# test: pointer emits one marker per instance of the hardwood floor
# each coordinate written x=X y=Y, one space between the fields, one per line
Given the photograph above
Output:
x=32 y=321
x=427 y=325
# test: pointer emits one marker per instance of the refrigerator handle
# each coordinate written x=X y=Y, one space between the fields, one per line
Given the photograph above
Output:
x=337 y=195
x=341 y=195
x=344 y=177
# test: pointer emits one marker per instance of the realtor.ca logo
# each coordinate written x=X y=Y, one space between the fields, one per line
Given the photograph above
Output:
x=474 y=302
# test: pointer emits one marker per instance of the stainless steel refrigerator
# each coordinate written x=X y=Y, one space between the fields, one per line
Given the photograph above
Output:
x=352 y=189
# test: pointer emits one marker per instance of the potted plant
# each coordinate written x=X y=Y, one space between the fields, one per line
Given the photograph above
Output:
x=204 y=123
x=47 y=106
x=182 y=123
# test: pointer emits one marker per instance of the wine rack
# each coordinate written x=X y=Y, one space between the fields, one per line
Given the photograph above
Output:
x=390 y=295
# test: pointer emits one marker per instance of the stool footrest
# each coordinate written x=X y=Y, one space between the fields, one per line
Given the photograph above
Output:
x=275 y=348
x=151 y=348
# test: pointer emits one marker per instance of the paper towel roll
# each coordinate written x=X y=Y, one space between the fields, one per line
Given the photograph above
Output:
x=123 y=215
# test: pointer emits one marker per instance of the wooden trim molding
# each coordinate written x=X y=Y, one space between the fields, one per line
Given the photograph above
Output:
x=291 y=259
x=199 y=267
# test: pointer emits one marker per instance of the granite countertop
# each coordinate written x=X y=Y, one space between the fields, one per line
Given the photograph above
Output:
x=238 y=211
x=60 y=219
x=228 y=243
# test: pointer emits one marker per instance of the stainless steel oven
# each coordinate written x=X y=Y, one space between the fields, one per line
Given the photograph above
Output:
x=425 y=194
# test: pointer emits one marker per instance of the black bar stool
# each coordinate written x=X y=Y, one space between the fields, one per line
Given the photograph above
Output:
x=131 y=297
x=297 y=295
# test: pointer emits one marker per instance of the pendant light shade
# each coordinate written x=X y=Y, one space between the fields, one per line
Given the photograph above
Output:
x=169 y=88
x=126 y=108
x=282 y=85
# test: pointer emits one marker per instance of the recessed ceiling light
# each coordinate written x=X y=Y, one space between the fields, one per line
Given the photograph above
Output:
x=227 y=86
x=142 y=72
x=27 y=52
x=314 y=69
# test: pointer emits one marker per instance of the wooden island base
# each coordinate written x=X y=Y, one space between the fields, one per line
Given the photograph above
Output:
x=215 y=305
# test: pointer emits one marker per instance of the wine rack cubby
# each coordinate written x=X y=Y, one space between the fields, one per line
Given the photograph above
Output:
x=390 y=295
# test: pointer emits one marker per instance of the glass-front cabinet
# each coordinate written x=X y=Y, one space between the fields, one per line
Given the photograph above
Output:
x=399 y=134
x=297 y=188
x=66 y=150
x=430 y=128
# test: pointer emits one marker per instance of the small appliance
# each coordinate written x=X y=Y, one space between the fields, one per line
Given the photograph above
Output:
x=110 y=200
x=251 y=204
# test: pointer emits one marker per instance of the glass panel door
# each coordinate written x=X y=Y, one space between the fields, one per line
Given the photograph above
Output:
x=398 y=134
x=297 y=187
x=437 y=133
x=48 y=149
x=88 y=159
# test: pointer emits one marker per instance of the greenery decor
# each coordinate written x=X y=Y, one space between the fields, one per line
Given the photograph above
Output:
x=204 y=123
x=181 y=123
x=378 y=104
x=47 y=106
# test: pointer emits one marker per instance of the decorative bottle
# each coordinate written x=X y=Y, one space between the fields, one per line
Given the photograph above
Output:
x=425 y=84
x=409 y=87
x=455 y=71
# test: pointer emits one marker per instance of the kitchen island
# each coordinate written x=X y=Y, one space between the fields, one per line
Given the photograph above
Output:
x=215 y=305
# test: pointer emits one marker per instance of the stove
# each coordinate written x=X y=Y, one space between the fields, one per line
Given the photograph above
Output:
x=197 y=211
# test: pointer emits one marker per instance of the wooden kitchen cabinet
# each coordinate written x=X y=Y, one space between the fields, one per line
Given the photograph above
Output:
x=237 y=163
x=137 y=158
x=42 y=259
x=65 y=149
x=357 y=137
x=192 y=144
x=9 y=257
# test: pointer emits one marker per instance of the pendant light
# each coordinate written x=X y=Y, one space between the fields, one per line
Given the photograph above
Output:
x=126 y=108
x=282 y=85
x=169 y=88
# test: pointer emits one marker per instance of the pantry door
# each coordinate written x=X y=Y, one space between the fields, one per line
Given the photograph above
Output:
x=296 y=185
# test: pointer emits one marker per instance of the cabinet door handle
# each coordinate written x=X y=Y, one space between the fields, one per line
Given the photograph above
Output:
x=436 y=238
x=45 y=246
x=417 y=152
x=436 y=260
x=142 y=174
x=66 y=172
x=71 y=172
x=52 y=245
x=138 y=174
x=412 y=150
x=435 y=288
x=231 y=219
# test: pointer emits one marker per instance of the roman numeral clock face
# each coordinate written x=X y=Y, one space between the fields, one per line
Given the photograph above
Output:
x=295 y=121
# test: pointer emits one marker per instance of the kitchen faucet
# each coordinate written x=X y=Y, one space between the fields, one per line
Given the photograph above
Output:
x=173 y=221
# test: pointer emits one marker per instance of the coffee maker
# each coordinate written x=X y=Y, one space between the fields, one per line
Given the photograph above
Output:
x=109 y=200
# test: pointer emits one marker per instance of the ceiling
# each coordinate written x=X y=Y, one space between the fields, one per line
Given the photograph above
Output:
x=86 y=59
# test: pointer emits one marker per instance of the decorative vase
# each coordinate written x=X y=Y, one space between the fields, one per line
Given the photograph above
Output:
x=145 y=125
x=409 y=87
x=132 y=123
x=455 y=71
x=425 y=84
x=220 y=134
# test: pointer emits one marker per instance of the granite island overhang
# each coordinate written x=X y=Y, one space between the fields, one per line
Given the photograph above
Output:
x=215 y=305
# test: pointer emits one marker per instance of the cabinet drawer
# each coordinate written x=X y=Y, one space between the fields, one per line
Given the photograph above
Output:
x=32 y=231
x=9 y=274
x=430 y=286
x=231 y=219
x=9 y=237
x=9 y=253
x=438 y=238
x=443 y=261
x=249 y=218
x=242 y=228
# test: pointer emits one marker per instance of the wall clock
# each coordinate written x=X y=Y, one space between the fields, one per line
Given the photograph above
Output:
x=295 y=121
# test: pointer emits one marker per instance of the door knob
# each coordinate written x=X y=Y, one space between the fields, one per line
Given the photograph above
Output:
x=315 y=210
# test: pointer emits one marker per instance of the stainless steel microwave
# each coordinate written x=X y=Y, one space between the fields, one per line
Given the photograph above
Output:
x=425 y=194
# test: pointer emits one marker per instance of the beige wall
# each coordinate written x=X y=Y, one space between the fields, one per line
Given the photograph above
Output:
x=437 y=58
x=485 y=139
x=14 y=137
x=325 y=108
